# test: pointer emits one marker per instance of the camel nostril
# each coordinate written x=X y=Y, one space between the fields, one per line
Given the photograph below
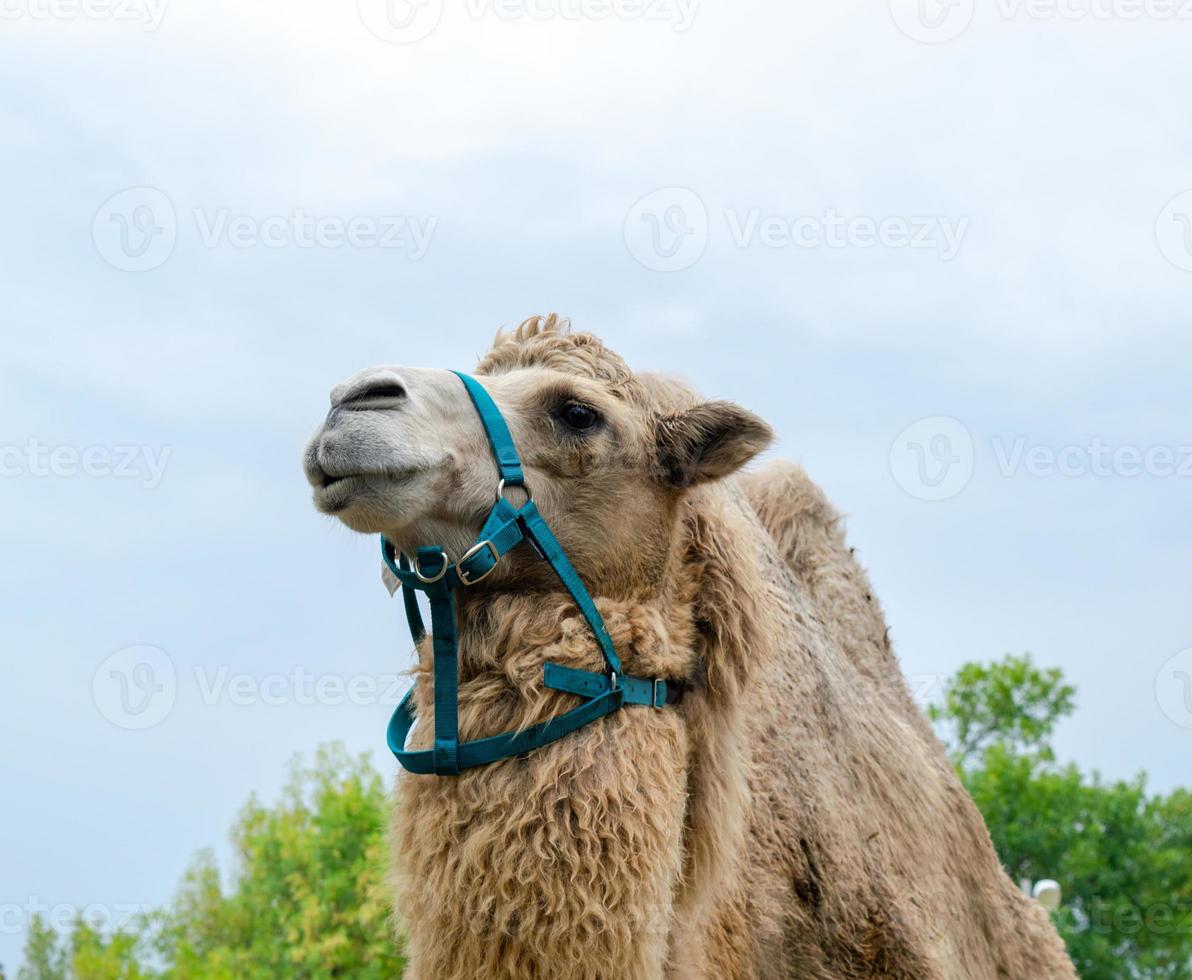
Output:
x=380 y=390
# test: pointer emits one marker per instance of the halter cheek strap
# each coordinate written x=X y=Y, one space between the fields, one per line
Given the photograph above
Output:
x=434 y=573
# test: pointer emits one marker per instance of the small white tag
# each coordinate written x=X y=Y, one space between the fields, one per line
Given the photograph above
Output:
x=391 y=582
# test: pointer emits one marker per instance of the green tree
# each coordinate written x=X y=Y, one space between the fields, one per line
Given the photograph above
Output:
x=1011 y=703
x=1122 y=856
x=84 y=953
x=44 y=958
x=94 y=956
x=306 y=899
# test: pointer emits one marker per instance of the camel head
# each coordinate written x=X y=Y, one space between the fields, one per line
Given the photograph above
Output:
x=607 y=454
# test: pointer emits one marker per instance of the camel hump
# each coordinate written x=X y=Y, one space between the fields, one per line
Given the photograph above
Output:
x=793 y=509
x=810 y=536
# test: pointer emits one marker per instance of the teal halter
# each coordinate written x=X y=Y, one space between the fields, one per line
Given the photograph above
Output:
x=432 y=572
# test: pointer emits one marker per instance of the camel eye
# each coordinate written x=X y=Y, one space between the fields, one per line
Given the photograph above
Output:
x=582 y=418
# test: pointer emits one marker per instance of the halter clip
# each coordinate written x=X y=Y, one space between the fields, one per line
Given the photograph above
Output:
x=430 y=580
x=522 y=486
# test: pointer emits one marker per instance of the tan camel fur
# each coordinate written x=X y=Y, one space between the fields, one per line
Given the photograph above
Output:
x=793 y=817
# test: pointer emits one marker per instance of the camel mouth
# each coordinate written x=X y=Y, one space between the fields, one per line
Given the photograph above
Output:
x=371 y=501
x=334 y=493
x=337 y=489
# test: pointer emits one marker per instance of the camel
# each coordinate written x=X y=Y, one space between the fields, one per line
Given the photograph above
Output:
x=793 y=816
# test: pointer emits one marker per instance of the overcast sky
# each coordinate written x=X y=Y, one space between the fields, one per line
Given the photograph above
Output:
x=945 y=250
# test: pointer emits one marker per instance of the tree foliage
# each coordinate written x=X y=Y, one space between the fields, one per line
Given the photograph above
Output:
x=1011 y=703
x=85 y=953
x=44 y=958
x=1122 y=856
x=307 y=898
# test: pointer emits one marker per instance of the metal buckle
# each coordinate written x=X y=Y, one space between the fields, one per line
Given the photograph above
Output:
x=655 y=703
x=434 y=578
x=474 y=550
x=612 y=677
x=523 y=486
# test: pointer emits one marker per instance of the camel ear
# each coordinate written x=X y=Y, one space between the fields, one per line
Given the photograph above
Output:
x=708 y=442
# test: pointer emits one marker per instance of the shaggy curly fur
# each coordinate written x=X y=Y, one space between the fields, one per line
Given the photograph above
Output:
x=793 y=817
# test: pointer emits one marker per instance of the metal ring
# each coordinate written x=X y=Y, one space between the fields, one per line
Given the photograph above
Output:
x=434 y=578
x=524 y=487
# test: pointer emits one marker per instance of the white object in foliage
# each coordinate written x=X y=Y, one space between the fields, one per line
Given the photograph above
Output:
x=1048 y=894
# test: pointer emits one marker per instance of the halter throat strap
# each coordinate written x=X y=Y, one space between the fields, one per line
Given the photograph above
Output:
x=431 y=571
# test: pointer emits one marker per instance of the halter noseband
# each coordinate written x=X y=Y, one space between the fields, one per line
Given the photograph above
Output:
x=433 y=572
